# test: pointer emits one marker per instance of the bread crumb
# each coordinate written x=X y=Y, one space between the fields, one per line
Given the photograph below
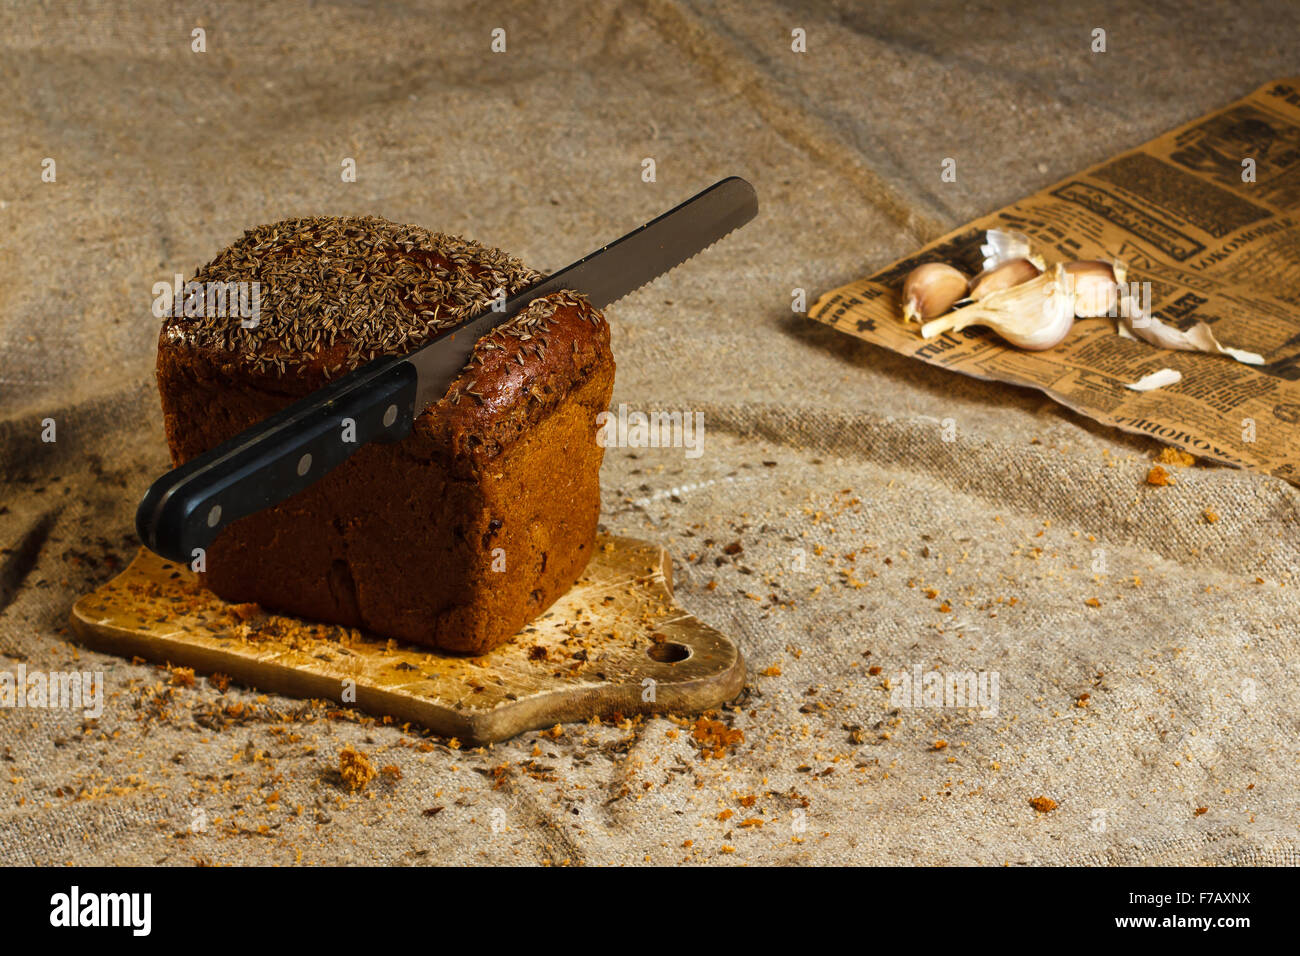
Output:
x=939 y=745
x=773 y=671
x=1200 y=810
x=1092 y=602
x=715 y=737
x=245 y=612
x=1043 y=804
x=1159 y=477
x=355 y=768
x=1175 y=456
x=1210 y=516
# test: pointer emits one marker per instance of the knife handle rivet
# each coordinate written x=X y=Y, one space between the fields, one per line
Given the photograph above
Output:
x=390 y=416
x=214 y=516
x=304 y=464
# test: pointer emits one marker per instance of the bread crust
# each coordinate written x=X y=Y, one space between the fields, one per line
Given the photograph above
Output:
x=454 y=537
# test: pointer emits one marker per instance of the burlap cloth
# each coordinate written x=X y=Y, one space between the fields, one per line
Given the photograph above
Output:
x=1184 y=750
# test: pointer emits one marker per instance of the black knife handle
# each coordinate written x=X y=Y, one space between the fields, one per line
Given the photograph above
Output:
x=186 y=508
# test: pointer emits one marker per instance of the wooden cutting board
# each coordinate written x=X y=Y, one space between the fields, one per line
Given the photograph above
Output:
x=616 y=643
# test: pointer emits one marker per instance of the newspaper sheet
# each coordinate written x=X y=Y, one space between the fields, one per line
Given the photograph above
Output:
x=1207 y=215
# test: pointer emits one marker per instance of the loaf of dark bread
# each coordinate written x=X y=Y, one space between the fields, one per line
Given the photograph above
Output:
x=456 y=536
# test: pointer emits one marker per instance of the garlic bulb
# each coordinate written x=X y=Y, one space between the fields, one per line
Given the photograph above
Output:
x=932 y=289
x=1096 y=286
x=1012 y=272
x=1033 y=315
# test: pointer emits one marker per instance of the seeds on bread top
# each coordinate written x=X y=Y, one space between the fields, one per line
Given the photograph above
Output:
x=354 y=288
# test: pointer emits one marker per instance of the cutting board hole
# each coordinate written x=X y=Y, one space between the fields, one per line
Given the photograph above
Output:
x=669 y=652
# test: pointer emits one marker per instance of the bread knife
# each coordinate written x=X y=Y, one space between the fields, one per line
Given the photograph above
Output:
x=185 y=509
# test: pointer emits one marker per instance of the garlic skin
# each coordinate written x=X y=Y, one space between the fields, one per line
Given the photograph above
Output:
x=1012 y=272
x=1003 y=245
x=1096 y=287
x=932 y=289
x=1136 y=323
x=1033 y=315
x=1157 y=379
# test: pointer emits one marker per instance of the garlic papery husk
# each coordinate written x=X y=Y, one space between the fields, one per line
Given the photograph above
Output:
x=1012 y=272
x=1003 y=245
x=1136 y=323
x=1034 y=315
x=932 y=289
x=1157 y=379
x=1096 y=286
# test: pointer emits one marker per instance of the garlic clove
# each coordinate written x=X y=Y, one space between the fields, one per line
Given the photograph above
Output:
x=1033 y=315
x=1012 y=272
x=1096 y=287
x=932 y=289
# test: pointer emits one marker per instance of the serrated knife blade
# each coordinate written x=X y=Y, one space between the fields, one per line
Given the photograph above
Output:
x=604 y=276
